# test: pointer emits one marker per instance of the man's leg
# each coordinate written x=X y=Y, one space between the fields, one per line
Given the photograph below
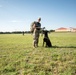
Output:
x=37 y=38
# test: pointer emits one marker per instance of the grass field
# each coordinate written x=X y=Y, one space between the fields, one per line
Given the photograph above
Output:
x=18 y=57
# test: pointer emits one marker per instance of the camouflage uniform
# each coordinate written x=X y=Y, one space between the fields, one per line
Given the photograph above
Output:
x=36 y=34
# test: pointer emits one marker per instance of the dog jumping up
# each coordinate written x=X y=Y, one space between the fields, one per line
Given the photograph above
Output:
x=46 y=39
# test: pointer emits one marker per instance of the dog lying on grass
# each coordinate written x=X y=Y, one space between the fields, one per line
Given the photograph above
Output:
x=46 y=39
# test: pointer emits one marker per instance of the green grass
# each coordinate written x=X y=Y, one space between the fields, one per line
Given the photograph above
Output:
x=18 y=57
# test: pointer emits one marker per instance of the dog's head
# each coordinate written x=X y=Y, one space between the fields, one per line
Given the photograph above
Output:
x=45 y=32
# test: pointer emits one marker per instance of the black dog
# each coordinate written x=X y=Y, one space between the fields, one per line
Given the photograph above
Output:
x=46 y=39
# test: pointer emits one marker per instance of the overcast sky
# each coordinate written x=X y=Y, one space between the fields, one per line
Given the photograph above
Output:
x=17 y=15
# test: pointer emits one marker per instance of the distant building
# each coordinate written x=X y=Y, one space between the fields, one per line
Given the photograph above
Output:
x=62 y=29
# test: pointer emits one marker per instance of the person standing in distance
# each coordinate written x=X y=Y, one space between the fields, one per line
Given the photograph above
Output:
x=36 y=32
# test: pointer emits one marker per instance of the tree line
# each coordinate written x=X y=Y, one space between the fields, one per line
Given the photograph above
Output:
x=21 y=32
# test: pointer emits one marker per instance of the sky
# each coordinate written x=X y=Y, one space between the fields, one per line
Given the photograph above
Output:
x=17 y=15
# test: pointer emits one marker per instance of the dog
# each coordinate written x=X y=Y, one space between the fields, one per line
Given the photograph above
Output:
x=46 y=39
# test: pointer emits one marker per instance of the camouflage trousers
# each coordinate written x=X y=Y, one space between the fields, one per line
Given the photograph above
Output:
x=36 y=38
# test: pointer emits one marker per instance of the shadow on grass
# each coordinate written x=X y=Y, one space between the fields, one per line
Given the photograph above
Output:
x=63 y=46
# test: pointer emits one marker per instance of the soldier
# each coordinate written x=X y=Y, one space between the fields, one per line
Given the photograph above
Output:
x=37 y=27
x=23 y=33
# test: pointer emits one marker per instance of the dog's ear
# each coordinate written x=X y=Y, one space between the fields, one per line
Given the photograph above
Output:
x=43 y=27
x=48 y=31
